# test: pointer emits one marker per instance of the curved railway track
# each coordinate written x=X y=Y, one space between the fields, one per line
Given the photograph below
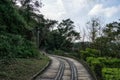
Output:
x=62 y=68
x=72 y=68
x=60 y=71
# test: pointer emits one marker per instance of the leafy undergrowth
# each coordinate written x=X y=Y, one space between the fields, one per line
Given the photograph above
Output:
x=111 y=73
x=105 y=68
x=22 y=69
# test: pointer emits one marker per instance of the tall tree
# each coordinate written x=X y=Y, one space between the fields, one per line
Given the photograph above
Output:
x=44 y=30
x=93 y=26
x=112 y=31
x=109 y=43
x=66 y=30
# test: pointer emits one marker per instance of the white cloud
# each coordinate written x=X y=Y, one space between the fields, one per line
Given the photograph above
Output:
x=60 y=9
x=80 y=11
x=99 y=9
x=54 y=10
x=111 y=11
x=75 y=5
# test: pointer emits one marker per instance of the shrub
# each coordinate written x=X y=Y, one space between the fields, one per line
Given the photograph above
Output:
x=59 y=52
x=101 y=62
x=111 y=73
x=112 y=62
x=12 y=46
x=89 y=53
x=96 y=66
x=108 y=62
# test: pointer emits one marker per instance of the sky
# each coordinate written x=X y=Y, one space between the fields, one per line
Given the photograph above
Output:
x=81 y=11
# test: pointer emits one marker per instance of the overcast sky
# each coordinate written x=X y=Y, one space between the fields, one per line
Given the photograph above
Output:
x=80 y=11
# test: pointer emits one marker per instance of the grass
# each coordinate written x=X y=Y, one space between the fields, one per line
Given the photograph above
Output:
x=22 y=69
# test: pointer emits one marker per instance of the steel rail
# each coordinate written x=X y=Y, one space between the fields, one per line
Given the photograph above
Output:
x=74 y=73
x=60 y=71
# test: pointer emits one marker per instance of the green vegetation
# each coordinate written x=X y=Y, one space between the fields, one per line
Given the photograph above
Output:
x=21 y=68
x=89 y=53
x=20 y=58
x=14 y=41
x=98 y=64
x=111 y=73
x=58 y=52
x=22 y=29
x=23 y=33
x=15 y=46
x=103 y=52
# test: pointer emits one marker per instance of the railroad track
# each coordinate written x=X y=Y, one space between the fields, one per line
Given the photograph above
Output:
x=59 y=66
x=60 y=71
x=55 y=71
x=72 y=68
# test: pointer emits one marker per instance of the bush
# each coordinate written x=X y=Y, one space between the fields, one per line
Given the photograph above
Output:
x=77 y=55
x=108 y=62
x=112 y=62
x=59 y=52
x=97 y=64
x=12 y=46
x=111 y=73
x=89 y=53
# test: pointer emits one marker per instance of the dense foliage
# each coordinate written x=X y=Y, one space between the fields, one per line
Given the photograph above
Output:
x=98 y=65
x=62 y=38
x=16 y=46
x=23 y=32
x=89 y=53
x=103 y=52
x=14 y=33
x=111 y=73
x=21 y=28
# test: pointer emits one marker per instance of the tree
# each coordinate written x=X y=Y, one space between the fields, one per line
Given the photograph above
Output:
x=94 y=27
x=109 y=43
x=66 y=30
x=112 y=31
x=44 y=31
x=60 y=38
x=14 y=32
x=10 y=19
x=33 y=5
